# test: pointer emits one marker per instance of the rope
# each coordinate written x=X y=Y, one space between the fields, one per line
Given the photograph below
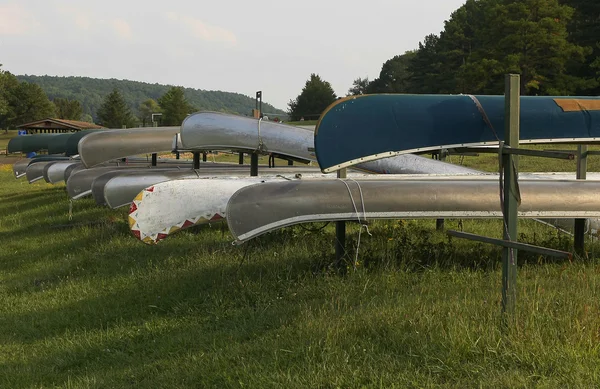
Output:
x=261 y=145
x=362 y=224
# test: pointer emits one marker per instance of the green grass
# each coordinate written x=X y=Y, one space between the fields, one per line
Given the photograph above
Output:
x=85 y=305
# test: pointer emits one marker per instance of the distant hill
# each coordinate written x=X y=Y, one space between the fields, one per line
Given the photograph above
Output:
x=91 y=92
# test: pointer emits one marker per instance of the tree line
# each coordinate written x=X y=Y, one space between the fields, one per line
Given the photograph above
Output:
x=111 y=103
x=553 y=44
x=91 y=92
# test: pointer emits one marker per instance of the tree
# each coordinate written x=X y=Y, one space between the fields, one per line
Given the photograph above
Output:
x=8 y=83
x=114 y=112
x=27 y=103
x=485 y=39
x=175 y=107
x=315 y=97
x=359 y=87
x=394 y=76
x=146 y=109
x=68 y=109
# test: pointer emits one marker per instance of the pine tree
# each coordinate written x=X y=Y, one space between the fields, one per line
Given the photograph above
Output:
x=114 y=112
x=175 y=107
x=315 y=97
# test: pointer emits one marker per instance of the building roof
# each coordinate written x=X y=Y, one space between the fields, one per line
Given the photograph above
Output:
x=49 y=123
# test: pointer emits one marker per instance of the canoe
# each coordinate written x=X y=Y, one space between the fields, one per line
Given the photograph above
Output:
x=119 y=188
x=29 y=143
x=220 y=131
x=364 y=128
x=58 y=144
x=264 y=207
x=79 y=183
x=170 y=206
x=54 y=172
x=103 y=146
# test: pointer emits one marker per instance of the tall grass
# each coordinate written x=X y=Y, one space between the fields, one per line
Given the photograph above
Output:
x=85 y=305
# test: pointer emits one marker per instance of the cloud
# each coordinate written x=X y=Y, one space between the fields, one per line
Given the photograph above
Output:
x=203 y=31
x=122 y=29
x=15 y=20
x=80 y=18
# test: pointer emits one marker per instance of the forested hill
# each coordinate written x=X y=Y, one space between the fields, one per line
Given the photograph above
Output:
x=90 y=92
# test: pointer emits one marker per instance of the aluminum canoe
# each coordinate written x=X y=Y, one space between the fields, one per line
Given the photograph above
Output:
x=167 y=207
x=120 y=190
x=35 y=170
x=265 y=207
x=54 y=172
x=80 y=182
x=103 y=146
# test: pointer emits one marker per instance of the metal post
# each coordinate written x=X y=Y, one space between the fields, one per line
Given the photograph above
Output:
x=253 y=165
x=177 y=155
x=439 y=223
x=510 y=166
x=340 y=235
x=154 y=159
x=196 y=160
x=203 y=157
x=579 y=229
x=290 y=162
x=241 y=159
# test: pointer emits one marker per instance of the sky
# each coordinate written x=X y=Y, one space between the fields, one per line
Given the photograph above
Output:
x=230 y=45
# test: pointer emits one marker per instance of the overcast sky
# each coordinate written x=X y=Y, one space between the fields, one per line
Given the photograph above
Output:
x=231 y=45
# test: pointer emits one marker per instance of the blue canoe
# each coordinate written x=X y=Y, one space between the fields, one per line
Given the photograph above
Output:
x=368 y=127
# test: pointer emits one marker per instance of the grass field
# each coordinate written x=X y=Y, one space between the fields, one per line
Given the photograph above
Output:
x=85 y=305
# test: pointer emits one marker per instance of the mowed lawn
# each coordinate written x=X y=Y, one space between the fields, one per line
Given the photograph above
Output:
x=83 y=304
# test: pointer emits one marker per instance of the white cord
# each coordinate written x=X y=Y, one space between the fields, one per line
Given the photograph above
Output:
x=361 y=223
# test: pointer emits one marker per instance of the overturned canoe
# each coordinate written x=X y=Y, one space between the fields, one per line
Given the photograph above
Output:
x=103 y=146
x=54 y=172
x=80 y=182
x=363 y=128
x=30 y=143
x=120 y=189
x=170 y=206
x=219 y=131
x=261 y=208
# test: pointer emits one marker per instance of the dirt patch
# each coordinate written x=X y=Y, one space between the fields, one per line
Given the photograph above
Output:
x=9 y=160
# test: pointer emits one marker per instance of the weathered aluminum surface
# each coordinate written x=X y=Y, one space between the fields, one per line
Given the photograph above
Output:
x=219 y=131
x=170 y=206
x=20 y=167
x=79 y=183
x=260 y=208
x=136 y=162
x=107 y=145
x=120 y=191
x=35 y=170
x=55 y=172
x=363 y=128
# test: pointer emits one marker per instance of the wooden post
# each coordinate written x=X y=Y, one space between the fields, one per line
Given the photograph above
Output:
x=579 y=228
x=154 y=159
x=203 y=157
x=177 y=155
x=290 y=162
x=340 y=235
x=253 y=165
x=196 y=160
x=510 y=167
x=241 y=159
